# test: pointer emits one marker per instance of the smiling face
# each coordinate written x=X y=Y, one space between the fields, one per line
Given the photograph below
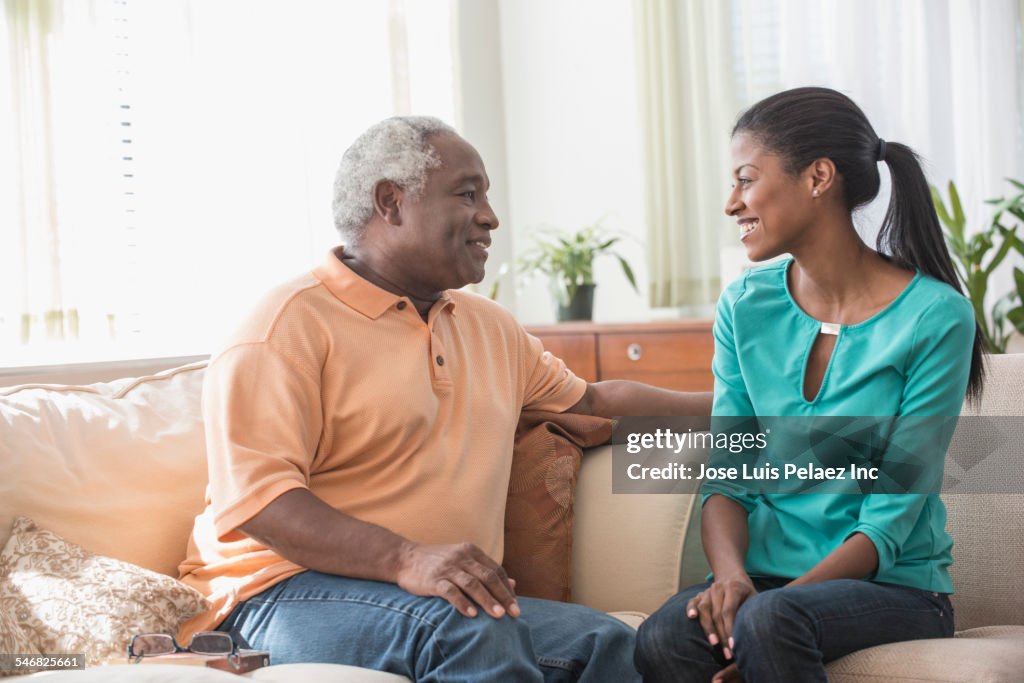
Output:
x=773 y=208
x=446 y=229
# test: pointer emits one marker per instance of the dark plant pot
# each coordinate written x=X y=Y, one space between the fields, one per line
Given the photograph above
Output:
x=581 y=307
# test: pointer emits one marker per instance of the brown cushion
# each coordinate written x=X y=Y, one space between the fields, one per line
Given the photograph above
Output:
x=542 y=488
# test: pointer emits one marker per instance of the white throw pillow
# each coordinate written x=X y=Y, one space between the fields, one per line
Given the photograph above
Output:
x=118 y=468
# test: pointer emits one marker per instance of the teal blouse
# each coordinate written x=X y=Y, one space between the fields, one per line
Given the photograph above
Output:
x=911 y=358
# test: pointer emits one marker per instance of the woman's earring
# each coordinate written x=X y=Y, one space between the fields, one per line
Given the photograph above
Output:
x=815 y=193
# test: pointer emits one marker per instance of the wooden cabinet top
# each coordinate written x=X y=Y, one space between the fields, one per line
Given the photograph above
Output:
x=585 y=327
x=674 y=354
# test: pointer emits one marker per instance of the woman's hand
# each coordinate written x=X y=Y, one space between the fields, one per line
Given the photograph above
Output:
x=716 y=608
x=730 y=674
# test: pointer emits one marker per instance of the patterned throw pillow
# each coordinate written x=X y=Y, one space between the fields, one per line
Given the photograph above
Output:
x=59 y=598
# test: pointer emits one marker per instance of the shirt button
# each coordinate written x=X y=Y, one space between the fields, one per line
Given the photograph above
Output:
x=401 y=305
x=440 y=360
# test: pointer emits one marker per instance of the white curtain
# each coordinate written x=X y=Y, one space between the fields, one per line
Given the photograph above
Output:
x=687 y=99
x=55 y=169
x=172 y=160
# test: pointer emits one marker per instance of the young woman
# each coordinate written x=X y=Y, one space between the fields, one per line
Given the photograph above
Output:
x=839 y=329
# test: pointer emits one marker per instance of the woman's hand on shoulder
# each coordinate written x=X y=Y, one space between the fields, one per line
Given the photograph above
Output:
x=716 y=608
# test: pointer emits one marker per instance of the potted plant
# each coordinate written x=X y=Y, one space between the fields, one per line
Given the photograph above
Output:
x=567 y=259
x=977 y=256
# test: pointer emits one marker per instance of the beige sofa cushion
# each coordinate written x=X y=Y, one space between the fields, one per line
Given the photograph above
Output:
x=1004 y=387
x=988 y=559
x=116 y=468
x=988 y=553
x=627 y=548
x=985 y=655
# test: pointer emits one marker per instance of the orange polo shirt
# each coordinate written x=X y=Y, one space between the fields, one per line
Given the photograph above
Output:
x=338 y=386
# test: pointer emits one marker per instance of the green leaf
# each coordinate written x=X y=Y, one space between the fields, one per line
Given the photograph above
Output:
x=940 y=209
x=1000 y=254
x=976 y=257
x=1000 y=206
x=1016 y=318
x=567 y=258
x=977 y=283
x=628 y=272
x=1004 y=304
x=958 y=211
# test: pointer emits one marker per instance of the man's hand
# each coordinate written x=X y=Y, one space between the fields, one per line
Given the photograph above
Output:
x=462 y=574
x=716 y=608
x=302 y=528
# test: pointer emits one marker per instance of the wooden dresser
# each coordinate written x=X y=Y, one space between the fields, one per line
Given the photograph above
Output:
x=672 y=354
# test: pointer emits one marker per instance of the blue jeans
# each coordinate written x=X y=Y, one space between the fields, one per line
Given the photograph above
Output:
x=315 y=617
x=788 y=634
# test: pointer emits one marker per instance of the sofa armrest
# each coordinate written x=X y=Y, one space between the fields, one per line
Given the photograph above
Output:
x=627 y=548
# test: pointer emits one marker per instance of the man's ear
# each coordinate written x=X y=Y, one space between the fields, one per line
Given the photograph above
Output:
x=387 y=201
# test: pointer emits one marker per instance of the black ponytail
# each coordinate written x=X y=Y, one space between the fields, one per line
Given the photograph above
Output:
x=912 y=236
x=805 y=124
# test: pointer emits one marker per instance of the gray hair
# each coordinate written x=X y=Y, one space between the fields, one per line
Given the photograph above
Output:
x=395 y=149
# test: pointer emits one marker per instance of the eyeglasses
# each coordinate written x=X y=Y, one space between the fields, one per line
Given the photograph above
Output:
x=202 y=643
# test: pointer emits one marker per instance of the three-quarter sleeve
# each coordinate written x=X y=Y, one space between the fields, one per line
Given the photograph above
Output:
x=730 y=399
x=937 y=370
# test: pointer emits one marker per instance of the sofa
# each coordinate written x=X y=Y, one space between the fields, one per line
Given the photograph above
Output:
x=118 y=469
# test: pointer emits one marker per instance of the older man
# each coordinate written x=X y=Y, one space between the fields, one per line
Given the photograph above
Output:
x=360 y=427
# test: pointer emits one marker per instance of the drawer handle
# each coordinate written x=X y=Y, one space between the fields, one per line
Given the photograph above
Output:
x=634 y=352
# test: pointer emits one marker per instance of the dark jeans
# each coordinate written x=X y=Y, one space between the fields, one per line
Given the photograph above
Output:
x=786 y=635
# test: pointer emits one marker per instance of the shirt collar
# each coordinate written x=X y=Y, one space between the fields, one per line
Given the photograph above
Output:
x=360 y=294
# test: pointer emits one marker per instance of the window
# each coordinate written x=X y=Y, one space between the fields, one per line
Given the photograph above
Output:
x=171 y=161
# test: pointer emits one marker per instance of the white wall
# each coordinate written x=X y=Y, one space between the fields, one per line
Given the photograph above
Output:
x=481 y=120
x=573 y=148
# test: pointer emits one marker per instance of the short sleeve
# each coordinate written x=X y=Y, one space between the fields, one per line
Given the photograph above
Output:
x=937 y=371
x=263 y=424
x=730 y=399
x=549 y=384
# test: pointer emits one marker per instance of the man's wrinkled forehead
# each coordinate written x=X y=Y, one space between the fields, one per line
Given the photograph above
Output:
x=460 y=162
